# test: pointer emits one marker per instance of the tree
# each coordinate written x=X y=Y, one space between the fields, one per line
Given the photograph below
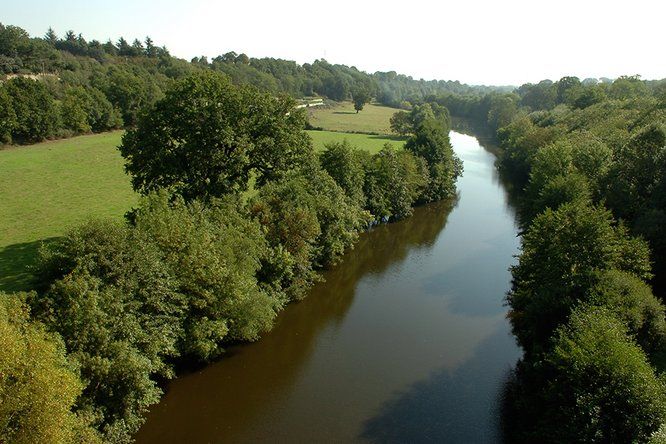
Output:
x=360 y=96
x=345 y=164
x=151 y=50
x=207 y=137
x=401 y=123
x=431 y=142
x=394 y=181
x=36 y=113
x=603 y=389
x=560 y=253
x=38 y=387
x=7 y=117
x=51 y=37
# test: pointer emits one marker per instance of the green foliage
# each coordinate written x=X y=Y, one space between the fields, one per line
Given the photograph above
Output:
x=401 y=123
x=213 y=254
x=7 y=117
x=560 y=253
x=344 y=164
x=117 y=307
x=631 y=300
x=431 y=142
x=360 y=96
x=606 y=391
x=38 y=387
x=36 y=114
x=560 y=190
x=309 y=223
x=207 y=137
x=394 y=182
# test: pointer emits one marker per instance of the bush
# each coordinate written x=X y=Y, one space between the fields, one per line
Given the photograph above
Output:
x=38 y=387
x=602 y=387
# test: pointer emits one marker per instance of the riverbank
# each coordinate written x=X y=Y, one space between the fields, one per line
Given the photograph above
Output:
x=406 y=339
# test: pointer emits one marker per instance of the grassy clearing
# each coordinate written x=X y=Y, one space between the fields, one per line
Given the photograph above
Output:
x=50 y=187
x=368 y=142
x=343 y=117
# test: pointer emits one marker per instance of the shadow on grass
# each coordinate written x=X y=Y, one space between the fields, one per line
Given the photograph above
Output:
x=16 y=263
x=344 y=112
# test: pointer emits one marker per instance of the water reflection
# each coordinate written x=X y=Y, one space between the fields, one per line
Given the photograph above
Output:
x=466 y=400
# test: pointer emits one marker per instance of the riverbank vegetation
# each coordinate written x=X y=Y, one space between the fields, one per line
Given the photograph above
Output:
x=589 y=159
x=199 y=263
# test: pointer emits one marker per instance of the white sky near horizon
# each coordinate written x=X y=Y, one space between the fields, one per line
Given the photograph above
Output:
x=474 y=41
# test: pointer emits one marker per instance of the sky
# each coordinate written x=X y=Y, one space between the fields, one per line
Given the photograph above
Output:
x=503 y=42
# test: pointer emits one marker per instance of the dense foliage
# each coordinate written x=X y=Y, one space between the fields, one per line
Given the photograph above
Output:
x=207 y=137
x=38 y=386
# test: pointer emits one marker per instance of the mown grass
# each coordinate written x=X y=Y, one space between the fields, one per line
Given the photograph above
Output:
x=343 y=117
x=368 y=142
x=50 y=187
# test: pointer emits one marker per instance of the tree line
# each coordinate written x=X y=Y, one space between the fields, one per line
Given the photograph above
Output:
x=88 y=86
x=237 y=216
x=588 y=159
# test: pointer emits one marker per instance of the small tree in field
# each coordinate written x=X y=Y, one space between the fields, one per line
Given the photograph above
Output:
x=360 y=97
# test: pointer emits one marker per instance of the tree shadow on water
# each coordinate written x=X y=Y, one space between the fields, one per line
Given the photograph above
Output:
x=16 y=262
x=459 y=406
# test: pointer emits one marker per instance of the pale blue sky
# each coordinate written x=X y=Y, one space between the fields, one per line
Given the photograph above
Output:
x=474 y=41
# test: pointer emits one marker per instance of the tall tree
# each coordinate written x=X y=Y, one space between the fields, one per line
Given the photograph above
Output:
x=207 y=137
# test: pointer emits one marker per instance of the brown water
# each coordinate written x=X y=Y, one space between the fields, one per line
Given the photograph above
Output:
x=406 y=341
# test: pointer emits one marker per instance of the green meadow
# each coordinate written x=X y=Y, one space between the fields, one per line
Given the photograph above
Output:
x=50 y=187
x=343 y=117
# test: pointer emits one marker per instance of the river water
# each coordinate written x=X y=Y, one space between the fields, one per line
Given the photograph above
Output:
x=405 y=341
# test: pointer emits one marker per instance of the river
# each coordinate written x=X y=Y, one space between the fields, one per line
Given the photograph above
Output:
x=405 y=341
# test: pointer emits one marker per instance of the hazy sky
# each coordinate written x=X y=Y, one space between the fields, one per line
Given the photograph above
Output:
x=474 y=41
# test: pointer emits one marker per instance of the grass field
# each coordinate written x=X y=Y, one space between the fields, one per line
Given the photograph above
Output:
x=50 y=187
x=342 y=117
x=366 y=142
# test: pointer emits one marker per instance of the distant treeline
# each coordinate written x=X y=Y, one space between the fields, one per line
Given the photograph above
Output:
x=88 y=86
x=589 y=161
x=238 y=215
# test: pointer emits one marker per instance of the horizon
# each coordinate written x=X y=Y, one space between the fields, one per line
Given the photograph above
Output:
x=190 y=30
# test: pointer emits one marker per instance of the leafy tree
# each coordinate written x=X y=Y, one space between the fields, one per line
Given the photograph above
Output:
x=38 y=387
x=565 y=86
x=560 y=252
x=401 y=123
x=345 y=164
x=117 y=308
x=7 y=117
x=631 y=300
x=36 y=113
x=360 y=96
x=604 y=390
x=560 y=190
x=214 y=253
x=394 y=181
x=309 y=223
x=207 y=137
x=431 y=142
